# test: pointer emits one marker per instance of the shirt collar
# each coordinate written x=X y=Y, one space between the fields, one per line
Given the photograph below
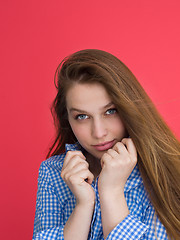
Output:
x=73 y=147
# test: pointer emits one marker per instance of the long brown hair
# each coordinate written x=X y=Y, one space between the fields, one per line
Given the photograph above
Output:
x=157 y=147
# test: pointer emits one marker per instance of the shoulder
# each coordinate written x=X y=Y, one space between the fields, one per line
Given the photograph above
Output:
x=50 y=177
x=51 y=166
x=53 y=163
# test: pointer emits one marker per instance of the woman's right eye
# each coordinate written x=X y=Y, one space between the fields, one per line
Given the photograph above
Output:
x=81 y=117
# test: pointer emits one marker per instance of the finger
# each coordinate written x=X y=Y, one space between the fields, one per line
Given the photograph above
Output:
x=120 y=148
x=76 y=168
x=70 y=155
x=112 y=152
x=90 y=177
x=74 y=161
x=130 y=146
x=105 y=159
x=74 y=165
x=82 y=176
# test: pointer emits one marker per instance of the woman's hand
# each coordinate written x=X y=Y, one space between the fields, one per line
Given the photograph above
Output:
x=76 y=174
x=117 y=164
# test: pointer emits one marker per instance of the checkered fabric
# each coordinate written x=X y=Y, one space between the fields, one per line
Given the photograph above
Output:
x=55 y=203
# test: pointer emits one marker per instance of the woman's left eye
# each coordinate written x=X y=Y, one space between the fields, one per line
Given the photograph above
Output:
x=111 y=111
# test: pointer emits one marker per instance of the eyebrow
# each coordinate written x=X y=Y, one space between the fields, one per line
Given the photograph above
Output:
x=83 y=111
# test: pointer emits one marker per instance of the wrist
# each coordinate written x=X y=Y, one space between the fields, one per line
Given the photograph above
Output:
x=113 y=193
x=85 y=205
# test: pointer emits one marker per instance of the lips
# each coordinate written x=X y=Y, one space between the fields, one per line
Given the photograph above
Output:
x=104 y=146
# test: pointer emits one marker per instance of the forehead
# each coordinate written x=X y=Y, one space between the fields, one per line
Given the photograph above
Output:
x=87 y=95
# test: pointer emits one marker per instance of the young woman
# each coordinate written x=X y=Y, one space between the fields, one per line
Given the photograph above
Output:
x=114 y=170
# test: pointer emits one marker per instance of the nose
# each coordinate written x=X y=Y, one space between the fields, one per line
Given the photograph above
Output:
x=99 y=128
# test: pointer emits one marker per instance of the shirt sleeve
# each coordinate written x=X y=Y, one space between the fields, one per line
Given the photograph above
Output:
x=54 y=233
x=129 y=228
x=48 y=222
x=148 y=228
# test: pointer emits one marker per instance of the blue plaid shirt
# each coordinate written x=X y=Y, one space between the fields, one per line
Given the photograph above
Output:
x=55 y=203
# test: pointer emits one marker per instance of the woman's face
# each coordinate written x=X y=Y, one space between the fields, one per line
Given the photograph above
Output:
x=94 y=118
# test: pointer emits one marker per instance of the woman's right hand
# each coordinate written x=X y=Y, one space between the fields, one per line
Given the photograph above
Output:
x=76 y=174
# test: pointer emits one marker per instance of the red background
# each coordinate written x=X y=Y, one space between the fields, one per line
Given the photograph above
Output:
x=35 y=36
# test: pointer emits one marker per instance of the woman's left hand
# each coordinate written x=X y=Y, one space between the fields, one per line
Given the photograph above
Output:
x=117 y=164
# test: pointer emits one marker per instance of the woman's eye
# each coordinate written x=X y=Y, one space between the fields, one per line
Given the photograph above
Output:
x=81 y=117
x=111 y=111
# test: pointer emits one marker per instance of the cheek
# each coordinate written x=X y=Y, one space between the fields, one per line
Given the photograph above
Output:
x=118 y=126
x=80 y=131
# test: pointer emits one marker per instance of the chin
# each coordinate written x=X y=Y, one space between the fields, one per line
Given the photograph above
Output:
x=99 y=154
